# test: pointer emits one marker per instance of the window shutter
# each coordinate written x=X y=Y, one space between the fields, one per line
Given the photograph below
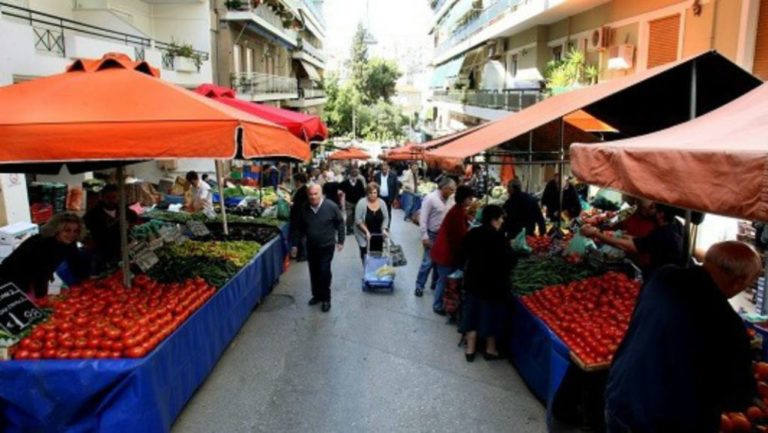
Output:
x=760 y=67
x=663 y=40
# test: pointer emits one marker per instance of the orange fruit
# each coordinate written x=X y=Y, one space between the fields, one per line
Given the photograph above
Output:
x=761 y=369
x=741 y=424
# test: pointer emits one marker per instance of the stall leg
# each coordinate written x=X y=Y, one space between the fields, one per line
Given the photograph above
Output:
x=122 y=212
x=220 y=181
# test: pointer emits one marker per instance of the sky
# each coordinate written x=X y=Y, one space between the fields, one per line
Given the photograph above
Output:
x=400 y=26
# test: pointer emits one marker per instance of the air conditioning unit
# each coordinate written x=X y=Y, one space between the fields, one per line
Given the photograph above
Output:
x=599 y=39
x=621 y=57
x=496 y=49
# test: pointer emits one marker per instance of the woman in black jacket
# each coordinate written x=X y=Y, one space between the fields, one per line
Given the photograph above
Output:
x=488 y=260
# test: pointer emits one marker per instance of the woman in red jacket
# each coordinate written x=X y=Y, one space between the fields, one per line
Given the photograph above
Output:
x=448 y=241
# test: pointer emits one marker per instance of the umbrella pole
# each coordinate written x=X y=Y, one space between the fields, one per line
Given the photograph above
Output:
x=688 y=241
x=220 y=181
x=561 y=174
x=122 y=212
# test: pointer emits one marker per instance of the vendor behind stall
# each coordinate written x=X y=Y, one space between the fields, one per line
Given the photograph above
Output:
x=103 y=224
x=32 y=264
x=664 y=244
x=202 y=199
x=523 y=212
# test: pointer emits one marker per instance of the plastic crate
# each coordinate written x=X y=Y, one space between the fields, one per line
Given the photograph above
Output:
x=173 y=199
x=41 y=212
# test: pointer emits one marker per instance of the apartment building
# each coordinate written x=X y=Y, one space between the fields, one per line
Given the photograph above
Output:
x=491 y=56
x=271 y=51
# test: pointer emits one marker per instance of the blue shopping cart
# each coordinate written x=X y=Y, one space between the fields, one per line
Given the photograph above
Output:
x=379 y=275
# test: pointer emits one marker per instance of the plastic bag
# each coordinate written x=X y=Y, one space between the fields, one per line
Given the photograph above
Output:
x=579 y=245
x=283 y=210
x=519 y=244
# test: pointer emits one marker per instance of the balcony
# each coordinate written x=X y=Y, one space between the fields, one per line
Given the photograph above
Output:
x=310 y=53
x=317 y=13
x=504 y=100
x=45 y=44
x=259 y=87
x=485 y=18
x=263 y=17
x=309 y=96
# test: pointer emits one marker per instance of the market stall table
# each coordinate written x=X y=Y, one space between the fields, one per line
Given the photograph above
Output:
x=136 y=395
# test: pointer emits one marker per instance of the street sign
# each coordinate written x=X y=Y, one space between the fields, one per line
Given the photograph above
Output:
x=17 y=312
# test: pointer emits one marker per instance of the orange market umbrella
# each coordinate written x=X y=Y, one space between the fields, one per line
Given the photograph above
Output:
x=114 y=109
x=409 y=152
x=349 y=154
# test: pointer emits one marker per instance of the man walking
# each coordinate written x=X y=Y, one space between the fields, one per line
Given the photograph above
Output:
x=388 y=185
x=320 y=221
x=354 y=189
x=436 y=205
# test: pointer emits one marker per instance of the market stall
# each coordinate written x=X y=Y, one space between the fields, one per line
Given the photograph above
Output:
x=349 y=154
x=174 y=329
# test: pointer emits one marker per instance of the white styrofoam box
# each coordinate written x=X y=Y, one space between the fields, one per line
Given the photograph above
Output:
x=13 y=234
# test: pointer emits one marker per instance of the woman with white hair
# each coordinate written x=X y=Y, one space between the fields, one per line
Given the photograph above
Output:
x=32 y=264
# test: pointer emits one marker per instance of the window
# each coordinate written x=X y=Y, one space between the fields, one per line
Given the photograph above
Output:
x=760 y=67
x=663 y=41
x=236 y=58
x=512 y=67
x=557 y=53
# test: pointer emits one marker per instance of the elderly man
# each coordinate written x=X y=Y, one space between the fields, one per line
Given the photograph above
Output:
x=523 y=212
x=389 y=185
x=319 y=221
x=354 y=190
x=433 y=210
x=686 y=356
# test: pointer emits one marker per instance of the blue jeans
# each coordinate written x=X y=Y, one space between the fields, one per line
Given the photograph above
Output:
x=427 y=266
x=442 y=279
x=406 y=202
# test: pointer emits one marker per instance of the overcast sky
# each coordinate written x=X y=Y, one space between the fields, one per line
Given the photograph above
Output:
x=399 y=26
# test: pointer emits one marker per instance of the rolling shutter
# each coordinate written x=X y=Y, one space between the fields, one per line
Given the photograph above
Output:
x=663 y=40
x=760 y=67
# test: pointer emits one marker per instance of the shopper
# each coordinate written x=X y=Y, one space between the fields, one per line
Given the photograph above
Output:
x=487 y=259
x=299 y=200
x=354 y=190
x=664 y=244
x=550 y=198
x=103 y=224
x=433 y=210
x=410 y=182
x=686 y=356
x=320 y=221
x=371 y=221
x=32 y=264
x=523 y=212
x=389 y=186
x=478 y=181
x=202 y=199
x=448 y=242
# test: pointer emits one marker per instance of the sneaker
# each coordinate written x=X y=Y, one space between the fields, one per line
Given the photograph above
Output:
x=418 y=292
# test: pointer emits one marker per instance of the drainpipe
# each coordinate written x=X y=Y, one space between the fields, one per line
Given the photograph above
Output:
x=713 y=32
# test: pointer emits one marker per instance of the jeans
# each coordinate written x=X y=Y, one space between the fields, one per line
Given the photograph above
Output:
x=427 y=266
x=350 y=211
x=406 y=202
x=319 y=259
x=442 y=279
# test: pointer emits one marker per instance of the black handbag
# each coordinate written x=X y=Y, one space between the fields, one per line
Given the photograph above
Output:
x=398 y=256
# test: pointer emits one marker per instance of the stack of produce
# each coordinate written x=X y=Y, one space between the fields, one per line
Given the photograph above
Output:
x=539 y=244
x=148 y=230
x=262 y=234
x=591 y=316
x=173 y=269
x=753 y=418
x=183 y=217
x=239 y=253
x=534 y=273
x=425 y=188
x=103 y=319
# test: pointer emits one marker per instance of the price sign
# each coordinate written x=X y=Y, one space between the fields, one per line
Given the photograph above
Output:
x=142 y=255
x=171 y=234
x=198 y=229
x=17 y=312
x=156 y=243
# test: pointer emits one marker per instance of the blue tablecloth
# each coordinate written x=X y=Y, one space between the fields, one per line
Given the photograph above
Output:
x=143 y=395
x=540 y=356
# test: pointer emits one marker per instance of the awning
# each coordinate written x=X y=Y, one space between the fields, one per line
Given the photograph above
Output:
x=114 y=109
x=645 y=102
x=582 y=120
x=717 y=163
x=447 y=70
x=311 y=71
x=349 y=154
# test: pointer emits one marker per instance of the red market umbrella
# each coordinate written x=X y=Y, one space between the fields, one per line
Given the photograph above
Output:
x=306 y=127
x=349 y=154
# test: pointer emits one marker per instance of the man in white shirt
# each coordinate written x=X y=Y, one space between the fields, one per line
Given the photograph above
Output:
x=433 y=209
x=388 y=185
x=202 y=199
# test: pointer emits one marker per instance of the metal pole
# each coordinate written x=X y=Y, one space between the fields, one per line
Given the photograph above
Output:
x=530 y=160
x=562 y=167
x=122 y=212
x=688 y=241
x=220 y=181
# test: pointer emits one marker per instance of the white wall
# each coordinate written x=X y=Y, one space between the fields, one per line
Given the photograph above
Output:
x=150 y=172
x=190 y=23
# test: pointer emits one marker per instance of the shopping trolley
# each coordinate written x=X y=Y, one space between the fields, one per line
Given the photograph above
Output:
x=379 y=275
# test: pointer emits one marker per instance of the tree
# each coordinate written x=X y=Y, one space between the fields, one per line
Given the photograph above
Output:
x=380 y=78
x=359 y=55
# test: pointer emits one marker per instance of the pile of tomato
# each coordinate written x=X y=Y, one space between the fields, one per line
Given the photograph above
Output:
x=539 y=244
x=103 y=319
x=754 y=418
x=591 y=316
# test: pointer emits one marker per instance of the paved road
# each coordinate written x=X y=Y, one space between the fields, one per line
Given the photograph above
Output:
x=374 y=363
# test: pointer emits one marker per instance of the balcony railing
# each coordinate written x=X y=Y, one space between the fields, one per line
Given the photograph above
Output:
x=507 y=99
x=255 y=83
x=488 y=16
x=266 y=14
x=312 y=50
x=50 y=30
x=309 y=93
x=315 y=11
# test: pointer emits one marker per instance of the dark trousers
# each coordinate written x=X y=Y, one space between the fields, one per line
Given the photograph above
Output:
x=388 y=201
x=319 y=259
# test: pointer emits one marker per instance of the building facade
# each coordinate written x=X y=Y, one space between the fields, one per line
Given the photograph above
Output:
x=491 y=56
x=271 y=51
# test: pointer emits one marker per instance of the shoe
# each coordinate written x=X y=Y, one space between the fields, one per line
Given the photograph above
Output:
x=325 y=307
x=418 y=292
x=491 y=356
x=470 y=356
x=439 y=311
x=313 y=301
x=301 y=259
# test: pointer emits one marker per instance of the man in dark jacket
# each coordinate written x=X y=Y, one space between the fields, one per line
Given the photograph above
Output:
x=389 y=185
x=319 y=221
x=523 y=212
x=300 y=199
x=354 y=190
x=550 y=198
x=103 y=224
x=686 y=357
